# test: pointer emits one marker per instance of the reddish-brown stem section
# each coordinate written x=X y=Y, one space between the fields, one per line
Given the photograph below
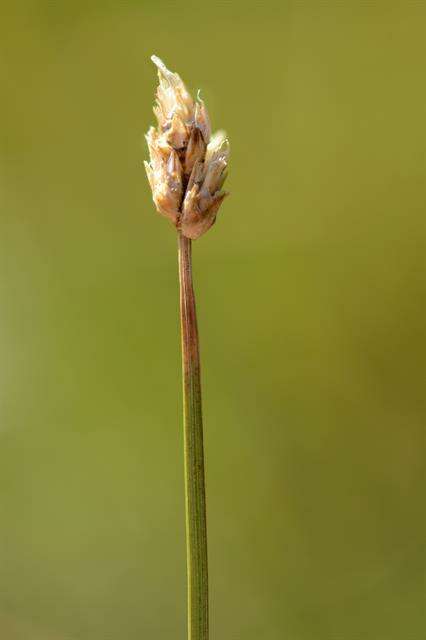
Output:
x=195 y=496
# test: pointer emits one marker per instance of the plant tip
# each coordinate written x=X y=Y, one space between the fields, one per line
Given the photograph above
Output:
x=187 y=166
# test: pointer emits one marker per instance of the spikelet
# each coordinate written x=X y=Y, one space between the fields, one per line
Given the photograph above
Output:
x=187 y=166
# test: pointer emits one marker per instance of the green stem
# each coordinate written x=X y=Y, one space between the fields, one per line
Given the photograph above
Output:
x=195 y=495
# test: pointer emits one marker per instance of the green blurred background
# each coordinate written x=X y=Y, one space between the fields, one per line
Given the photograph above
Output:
x=311 y=294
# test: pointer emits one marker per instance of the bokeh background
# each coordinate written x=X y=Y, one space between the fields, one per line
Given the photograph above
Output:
x=311 y=294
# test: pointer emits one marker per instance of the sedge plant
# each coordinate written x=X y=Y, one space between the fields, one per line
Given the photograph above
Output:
x=186 y=172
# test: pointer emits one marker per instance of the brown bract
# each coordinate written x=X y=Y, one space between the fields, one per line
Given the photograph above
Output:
x=187 y=166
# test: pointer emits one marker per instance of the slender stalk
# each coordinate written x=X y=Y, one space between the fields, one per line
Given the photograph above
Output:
x=195 y=495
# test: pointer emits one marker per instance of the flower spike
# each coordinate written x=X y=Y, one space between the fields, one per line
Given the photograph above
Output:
x=187 y=166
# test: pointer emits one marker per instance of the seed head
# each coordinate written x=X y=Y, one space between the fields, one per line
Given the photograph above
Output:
x=187 y=166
